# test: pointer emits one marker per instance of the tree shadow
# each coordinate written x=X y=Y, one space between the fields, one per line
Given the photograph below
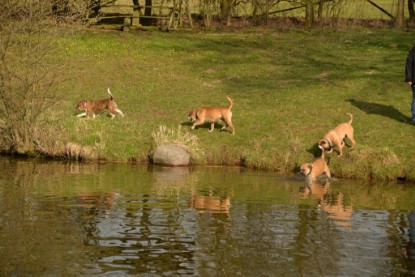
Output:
x=381 y=109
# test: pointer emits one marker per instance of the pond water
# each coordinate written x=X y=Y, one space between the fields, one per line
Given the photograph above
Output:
x=60 y=218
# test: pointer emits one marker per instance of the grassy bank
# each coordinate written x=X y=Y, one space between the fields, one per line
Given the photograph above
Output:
x=289 y=88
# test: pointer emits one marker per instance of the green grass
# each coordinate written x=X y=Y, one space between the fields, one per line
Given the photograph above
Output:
x=289 y=88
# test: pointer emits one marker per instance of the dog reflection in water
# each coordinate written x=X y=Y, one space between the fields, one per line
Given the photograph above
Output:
x=210 y=204
x=96 y=200
x=333 y=204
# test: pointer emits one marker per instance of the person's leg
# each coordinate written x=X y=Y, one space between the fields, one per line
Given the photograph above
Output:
x=413 y=105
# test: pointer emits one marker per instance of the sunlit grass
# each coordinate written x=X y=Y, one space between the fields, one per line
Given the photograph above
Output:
x=289 y=88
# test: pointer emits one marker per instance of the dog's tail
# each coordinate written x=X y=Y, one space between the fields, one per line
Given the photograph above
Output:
x=230 y=100
x=351 y=118
x=109 y=92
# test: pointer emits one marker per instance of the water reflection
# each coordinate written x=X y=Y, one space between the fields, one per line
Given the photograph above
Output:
x=210 y=203
x=332 y=203
x=410 y=247
x=117 y=220
x=170 y=177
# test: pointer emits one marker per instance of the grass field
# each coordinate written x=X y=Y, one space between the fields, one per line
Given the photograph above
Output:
x=289 y=88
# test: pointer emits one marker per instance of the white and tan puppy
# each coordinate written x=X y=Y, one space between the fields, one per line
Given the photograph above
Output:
x=313 y=170
x=91 y=107
x=335 y=137
x=212 y=115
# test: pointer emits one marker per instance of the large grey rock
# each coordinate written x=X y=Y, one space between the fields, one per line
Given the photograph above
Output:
x=172 y=155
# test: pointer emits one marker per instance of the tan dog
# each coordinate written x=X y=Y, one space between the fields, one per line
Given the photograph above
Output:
x=212 y=115
x=313 y=170
x=335 y=138
x=94 y=106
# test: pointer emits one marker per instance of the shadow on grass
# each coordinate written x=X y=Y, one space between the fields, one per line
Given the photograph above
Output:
x=381 y=109
x=314 y=150
x=186 y=123
x=205 y=126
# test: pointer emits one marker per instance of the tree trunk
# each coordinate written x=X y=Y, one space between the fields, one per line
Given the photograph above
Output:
x=147 y=9
x=135 y=21
x=320 y=9
x=189 y=14
x=226 y=8
x=400 y=16
x=309 y=13
x=411 y=9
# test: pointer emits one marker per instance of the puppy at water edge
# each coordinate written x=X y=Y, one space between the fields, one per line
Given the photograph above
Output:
x=91 y=107
x=212 y=115
x=313 y=170
x=334 y=139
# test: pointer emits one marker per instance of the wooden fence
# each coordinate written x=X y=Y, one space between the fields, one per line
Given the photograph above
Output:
x=131 y=15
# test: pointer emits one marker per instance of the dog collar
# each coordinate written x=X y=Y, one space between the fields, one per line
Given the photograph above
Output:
x=329 y=142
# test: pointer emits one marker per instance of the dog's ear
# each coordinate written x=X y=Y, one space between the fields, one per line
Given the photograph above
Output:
x=322 y=144
x=192 y=113
x=80 y=105
x=310 y=166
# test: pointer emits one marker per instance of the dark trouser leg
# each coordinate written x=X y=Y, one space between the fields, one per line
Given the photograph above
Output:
x=413 y=104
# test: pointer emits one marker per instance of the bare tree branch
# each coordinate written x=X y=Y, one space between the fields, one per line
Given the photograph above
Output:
x=301 y=6
x=29 y=79
x=381 y=9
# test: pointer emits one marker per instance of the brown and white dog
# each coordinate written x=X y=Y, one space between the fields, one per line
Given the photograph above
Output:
x=313 y=170
x=335 y=137
x=94 y=106
x=212 y=115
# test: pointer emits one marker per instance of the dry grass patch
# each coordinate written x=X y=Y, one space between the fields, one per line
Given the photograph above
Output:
x=179 y=137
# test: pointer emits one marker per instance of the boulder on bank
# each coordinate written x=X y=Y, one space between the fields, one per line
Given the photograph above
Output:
x=171 y=155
